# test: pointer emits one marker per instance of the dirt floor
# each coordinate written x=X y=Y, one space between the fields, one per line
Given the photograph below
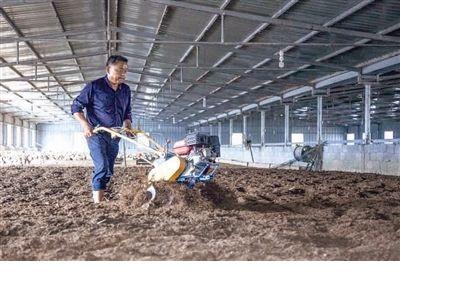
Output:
x=46 y=213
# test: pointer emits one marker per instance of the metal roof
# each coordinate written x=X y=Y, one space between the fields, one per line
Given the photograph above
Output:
x=181 y=52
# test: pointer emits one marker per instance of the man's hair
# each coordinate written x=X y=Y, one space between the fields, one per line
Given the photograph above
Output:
x=113 y=59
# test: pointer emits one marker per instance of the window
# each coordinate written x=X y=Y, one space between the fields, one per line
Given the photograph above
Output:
x=388 y=135
x=236 y=139
x=297 y=138
x=350 y=137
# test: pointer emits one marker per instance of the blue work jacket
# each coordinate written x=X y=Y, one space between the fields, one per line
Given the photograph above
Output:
x=104 y=106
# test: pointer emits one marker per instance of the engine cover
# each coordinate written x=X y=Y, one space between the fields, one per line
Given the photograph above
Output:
x=168 y=170
x=181 y=148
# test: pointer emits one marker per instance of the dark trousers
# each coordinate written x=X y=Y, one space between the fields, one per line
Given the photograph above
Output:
x=103 y=150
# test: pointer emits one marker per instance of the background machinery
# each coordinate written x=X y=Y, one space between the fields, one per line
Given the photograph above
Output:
x=311 y=155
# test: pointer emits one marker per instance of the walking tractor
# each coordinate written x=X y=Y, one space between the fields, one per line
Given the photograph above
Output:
x=192 y=159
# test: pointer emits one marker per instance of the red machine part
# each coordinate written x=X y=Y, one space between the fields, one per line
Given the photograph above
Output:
x=181 y=148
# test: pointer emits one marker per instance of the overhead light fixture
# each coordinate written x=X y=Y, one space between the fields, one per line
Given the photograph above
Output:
x=281 y=59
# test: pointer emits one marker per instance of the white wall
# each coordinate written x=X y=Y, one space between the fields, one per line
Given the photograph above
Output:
x=374 y=158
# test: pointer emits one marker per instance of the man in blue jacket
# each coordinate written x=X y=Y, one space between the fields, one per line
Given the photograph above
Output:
x=107 y=101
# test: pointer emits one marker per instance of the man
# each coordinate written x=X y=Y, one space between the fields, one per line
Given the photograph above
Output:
x=107 y=101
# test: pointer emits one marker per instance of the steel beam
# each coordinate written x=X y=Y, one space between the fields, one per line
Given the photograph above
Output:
x=393 y=61
x=237 y=50
x=20 y=34
x=33 y=62
x=333 y=21
x=52 y=36
x=149 y=53
x=280 y=22
x=5 y=3
x=197 y=39
x=329 y=23
x=340 y=78
x=46 y=75
x=277 y=14
x=68 y=43
x=33 y=85
x=203 y=83
x=8 y=40
x=225 y=70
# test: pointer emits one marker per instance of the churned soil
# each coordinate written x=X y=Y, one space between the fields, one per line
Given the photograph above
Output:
x=46 y=213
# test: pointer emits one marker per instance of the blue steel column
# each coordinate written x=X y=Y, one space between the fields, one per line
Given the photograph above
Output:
x=231 y=131
x=244 y=125
x=319 y=119
x=263 y=127
x=367 y=96
x=286 y=124
x=219 y=131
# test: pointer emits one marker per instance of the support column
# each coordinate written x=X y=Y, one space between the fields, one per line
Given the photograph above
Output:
x=210 y=129
x=286 y=124
x=33 y=134
x=29 y=135
x=20 y=143
x=1 y=130
x=22 y=138
x=263 y=127
x=231 y=131
x=367 y=96
x=319 y=119
x=244 y=126
x=219 y=131
x=25 y=136
x=14 y=132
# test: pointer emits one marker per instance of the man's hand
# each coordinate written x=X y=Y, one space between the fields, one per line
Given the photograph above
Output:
x=127 y=124
x=127 y=127
x=87 y=130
